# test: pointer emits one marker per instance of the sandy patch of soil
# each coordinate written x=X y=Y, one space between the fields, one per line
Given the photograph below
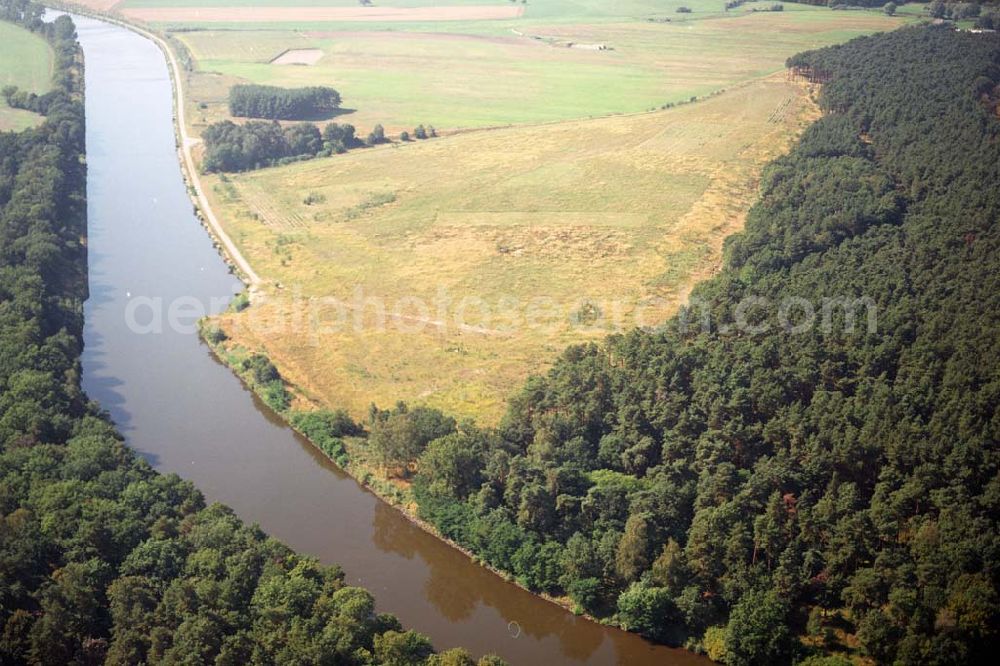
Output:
x=299 y=57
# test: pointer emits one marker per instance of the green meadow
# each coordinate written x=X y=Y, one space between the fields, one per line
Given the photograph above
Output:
x=468 y=74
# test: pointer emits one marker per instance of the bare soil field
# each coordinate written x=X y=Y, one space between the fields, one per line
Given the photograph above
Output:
x=98 y=5
x=303 y=14
x=299 y=57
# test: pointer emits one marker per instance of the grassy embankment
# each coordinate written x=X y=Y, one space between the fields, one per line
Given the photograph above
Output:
x=25 y=62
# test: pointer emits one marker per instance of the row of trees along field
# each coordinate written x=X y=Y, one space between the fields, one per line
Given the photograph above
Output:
x=102 y=560
x=772 y=496
x=272 y=102
x=960 y=10
x=256 y=144
x=840 y=4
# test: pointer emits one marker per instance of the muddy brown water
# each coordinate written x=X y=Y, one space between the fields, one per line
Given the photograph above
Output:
x=186 y=413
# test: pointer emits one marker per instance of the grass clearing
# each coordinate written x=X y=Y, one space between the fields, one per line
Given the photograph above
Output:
x=491 y=251
x=25 y=62
x=17 y=119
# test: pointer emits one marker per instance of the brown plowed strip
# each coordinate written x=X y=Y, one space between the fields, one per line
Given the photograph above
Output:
x=304 y=14
x=97 y=5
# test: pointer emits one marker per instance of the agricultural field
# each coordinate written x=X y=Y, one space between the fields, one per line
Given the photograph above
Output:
x=544 y=66
x=25 y=62
x=447 y=270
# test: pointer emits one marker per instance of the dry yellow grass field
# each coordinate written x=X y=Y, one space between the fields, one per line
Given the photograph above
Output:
x=491 y=251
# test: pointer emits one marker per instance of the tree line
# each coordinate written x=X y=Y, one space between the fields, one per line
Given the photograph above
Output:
x=772 y=497
x=987 y=15
x=102 y=560
x=840 y=4
x=989 y=20
x=274 y=103
x=957 y=10
x=257 y=144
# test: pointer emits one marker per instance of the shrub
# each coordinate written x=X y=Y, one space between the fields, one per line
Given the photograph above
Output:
x=277 y=396
x=714 y=643
x=240 y=302
x=215 y=335
x=326 y=423
x=647 y=610
x=261 y=369
x=377 y=135
x=586 y=592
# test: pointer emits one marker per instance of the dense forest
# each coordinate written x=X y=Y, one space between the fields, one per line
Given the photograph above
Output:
x=274 y=103
x=989 y=19
x=960 y=10
x=781 y=491
x=102 y=560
